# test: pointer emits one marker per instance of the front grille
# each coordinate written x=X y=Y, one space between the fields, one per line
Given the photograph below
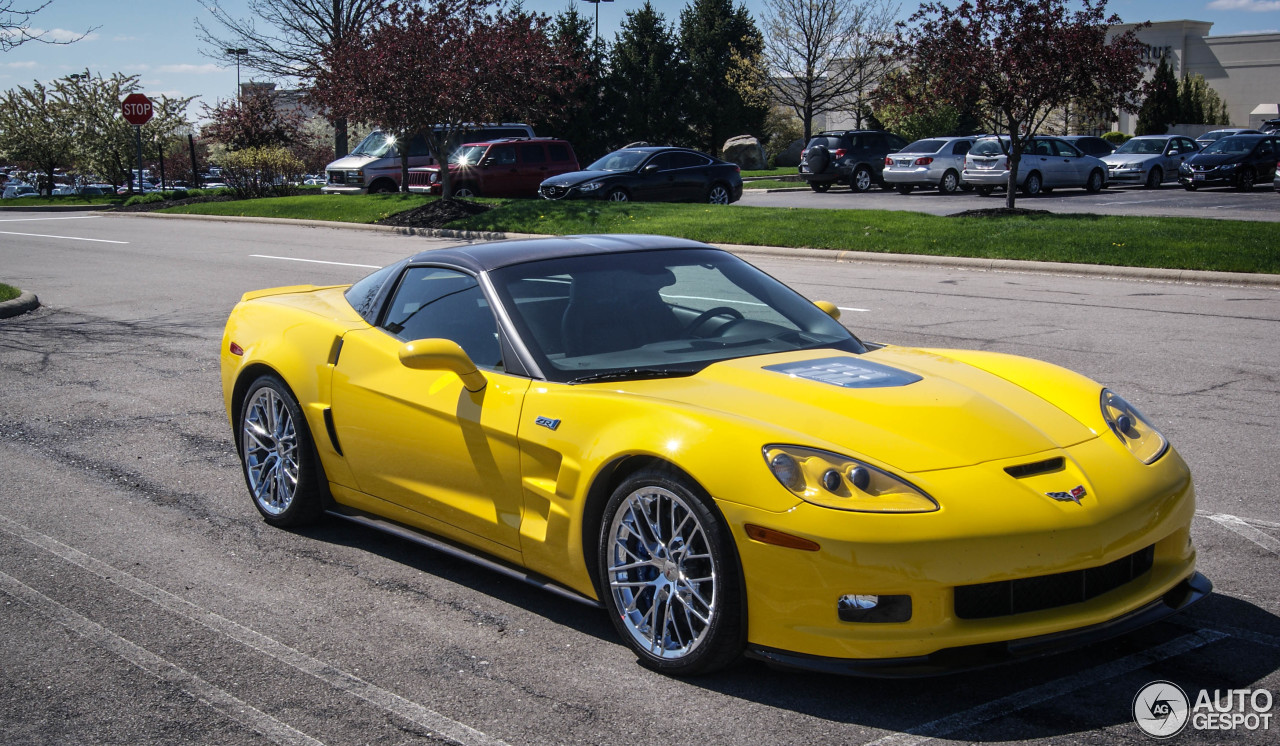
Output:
x=553 y=192
x=1007 y=597
x=419 y=178
x=337 y=177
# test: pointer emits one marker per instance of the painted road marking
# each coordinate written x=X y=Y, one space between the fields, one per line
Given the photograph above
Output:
x=350 y=683
x=66 y=238
x=998 y=708
x=1241 y=527
x=228 y=704
x=314 y=261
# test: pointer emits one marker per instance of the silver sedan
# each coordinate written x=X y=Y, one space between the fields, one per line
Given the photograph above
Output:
x=932 y=162
x=1149 y=160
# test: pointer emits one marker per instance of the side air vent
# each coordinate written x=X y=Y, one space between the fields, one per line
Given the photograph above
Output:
x=1039 y=467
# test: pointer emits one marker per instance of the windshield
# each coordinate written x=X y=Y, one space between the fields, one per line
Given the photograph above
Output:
x=1229 y=146
x=649 y=314
x=1142 y=147
x=468 y=155
x=989 y=146
x=924 y=146
x=620 y=160
x=378 y=145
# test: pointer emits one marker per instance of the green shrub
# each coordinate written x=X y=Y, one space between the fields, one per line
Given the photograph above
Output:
x=261 y=172
x=144 y=199
x=1116 y=138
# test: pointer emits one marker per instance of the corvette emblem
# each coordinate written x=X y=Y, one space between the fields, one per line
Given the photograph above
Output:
x=1074 y=495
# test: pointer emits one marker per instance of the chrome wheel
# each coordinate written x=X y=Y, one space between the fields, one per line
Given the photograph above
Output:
x=718 y=195
x=950 y=183
x=861 y=179
x=617 y=195
x=269 y=441
x=661 y=573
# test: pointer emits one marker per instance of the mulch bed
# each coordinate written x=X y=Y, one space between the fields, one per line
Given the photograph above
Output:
x=436 y=214
x=998 y=212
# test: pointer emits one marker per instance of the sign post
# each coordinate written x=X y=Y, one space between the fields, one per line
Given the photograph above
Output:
x=137 y=111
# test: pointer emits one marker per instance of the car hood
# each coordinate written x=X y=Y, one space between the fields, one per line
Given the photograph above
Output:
x=912 y=410
x=351 y=162
x=1126 y=159
x=1216 y=159
x=574 y=178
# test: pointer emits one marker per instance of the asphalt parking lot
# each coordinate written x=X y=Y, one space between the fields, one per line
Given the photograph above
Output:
x=1170 y=200
x=142 y=600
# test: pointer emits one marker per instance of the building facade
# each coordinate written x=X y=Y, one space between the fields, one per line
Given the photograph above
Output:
x=1243 y=68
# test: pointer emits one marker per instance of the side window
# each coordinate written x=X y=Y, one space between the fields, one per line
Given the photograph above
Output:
x=504 y=155
x=1267 y=147
x=961 y=147
x=897 y=143
x=1042 y=147
x=1067 y=150
x=663 y=161
x=418 y=146
x=533 y=152
x=559 y=152
x=432 y=303
x=687 y=160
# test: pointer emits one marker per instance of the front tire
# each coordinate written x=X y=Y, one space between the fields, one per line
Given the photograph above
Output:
x=669 y=575
x=618 y=195
x=1095 y=182
x=862 y=179
x=1155 y=177
x=277 y=455
x=1244 y=182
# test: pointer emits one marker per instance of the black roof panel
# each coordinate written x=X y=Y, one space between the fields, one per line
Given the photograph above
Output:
x=488 y=256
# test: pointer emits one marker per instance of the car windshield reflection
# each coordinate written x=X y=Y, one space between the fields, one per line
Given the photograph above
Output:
x=621 y=160
x=657 y=314
x=1229 y=146
x=1142 y=147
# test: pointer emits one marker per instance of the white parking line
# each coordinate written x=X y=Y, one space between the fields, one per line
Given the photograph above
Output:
x=1255 y=522
x=1242 y=527
x=314 y=261
x=337 y=678
x=66 y=238
x=228 y=704
x=997 y=708
x=66 y=217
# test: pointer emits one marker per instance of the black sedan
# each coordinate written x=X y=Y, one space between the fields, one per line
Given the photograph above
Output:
x=1236 y=160
x=657 y=174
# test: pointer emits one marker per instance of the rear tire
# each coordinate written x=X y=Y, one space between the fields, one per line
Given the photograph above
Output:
x=718 y=194
x=466 y=191
x=669 y=575
x=1031 y=187
x=278 y=457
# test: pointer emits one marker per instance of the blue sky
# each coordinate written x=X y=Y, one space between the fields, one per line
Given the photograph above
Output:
x=156 y=39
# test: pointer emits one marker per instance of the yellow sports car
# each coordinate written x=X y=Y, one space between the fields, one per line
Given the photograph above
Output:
x=656 y=426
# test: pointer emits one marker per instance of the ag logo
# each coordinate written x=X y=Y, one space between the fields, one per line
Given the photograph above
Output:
x=1161 y=709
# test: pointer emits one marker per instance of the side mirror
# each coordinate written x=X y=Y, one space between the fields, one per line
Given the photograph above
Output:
x=652 y=168
x=828 y=308
x=442 y=354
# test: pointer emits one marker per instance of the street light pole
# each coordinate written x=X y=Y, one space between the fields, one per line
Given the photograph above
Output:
x=238 y=54
x=597 y=4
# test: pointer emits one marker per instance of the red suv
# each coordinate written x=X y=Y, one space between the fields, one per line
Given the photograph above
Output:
x=510 y=167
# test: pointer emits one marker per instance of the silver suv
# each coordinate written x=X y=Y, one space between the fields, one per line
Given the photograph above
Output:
x=932 y=162
x=1047 y=164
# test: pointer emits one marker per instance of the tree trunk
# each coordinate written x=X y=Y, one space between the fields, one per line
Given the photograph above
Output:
x=340 y=144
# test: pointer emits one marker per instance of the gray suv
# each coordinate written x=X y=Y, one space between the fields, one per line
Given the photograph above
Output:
x=853 y=157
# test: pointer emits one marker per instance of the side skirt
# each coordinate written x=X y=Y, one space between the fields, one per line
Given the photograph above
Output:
x=459 y=551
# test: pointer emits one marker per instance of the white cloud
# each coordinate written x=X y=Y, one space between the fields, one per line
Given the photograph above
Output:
x=1256 y=6
x=191 y=69
x=55 y=35
x=123 y=38
x=19 y=64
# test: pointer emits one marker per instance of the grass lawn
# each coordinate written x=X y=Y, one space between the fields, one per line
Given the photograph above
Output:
x=8 y=292
x=1174 y=243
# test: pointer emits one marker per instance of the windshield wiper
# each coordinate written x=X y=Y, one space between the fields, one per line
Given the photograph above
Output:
x=635 y=374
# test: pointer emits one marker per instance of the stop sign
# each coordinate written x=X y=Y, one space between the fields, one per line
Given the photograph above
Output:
x=136 y=108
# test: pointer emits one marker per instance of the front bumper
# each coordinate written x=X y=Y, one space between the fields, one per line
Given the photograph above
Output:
x=971 y=657
x=1208 y=178
x=990 y=531
x=1137 y=177
x=341 y=189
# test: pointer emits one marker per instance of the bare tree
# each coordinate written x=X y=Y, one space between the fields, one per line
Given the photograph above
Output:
x=286 y=38
x=824 y=55
x=15 y=26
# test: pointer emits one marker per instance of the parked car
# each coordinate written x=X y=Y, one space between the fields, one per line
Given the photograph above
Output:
x=1237 y=160
x=1090 y=145
x=929 y=163
x=651 y=174
x=1271 y=126
x=510 y=167
x=654 y=426
x=95 y=190
x=1149 y=160
x=14 y=191
x=853 y=157
x=1213 y=135
x=1048 y=163
x=374 y=165
x=1275 y=180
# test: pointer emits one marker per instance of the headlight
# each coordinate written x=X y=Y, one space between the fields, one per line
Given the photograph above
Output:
x=590 y=186
x=356 y=176
x=834 y=481
x=1138 y=435
x=434 y=178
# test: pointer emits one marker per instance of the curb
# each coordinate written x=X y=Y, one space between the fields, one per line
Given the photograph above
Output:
x=1185 y=276
x=20 y=305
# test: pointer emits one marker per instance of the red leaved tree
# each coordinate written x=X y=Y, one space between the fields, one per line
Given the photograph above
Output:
x=435 y=68
x=1019 y=60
